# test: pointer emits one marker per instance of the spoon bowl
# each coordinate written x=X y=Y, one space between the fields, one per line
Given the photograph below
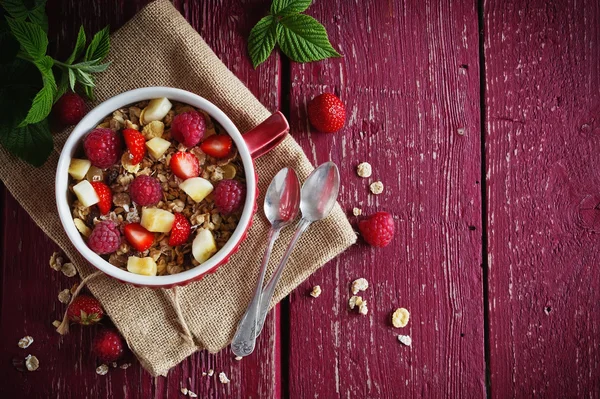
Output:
x=283 y=198
x=319 y=192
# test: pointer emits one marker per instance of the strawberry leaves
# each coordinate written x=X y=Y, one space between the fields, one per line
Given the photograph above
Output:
x=33 y=81
x=300 y=37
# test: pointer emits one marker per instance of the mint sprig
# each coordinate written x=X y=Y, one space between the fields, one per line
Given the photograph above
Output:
x=32 y=81
x=301 y=37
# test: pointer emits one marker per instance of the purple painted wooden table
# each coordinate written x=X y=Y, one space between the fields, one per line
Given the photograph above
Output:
x=482 y=119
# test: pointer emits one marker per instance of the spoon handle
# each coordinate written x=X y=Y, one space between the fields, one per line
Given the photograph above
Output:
x=267 y=293
x=244 y=339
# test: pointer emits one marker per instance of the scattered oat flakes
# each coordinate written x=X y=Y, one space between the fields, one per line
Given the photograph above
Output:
x=192 y=394
x=68 y=270
x=238 y=358
x=102 y=369
x=184 y=390
x=223 y=378
x=56 y=323
x=114 y=365
x=405 y=340
x=376 y=187
x=32 y=363
x=82 y=227
x=25 y=342
x=204 y=374
x=357 y=211
x=355 y=301
x=362 y=308
x=64 y=296
x=125 y=366
x=400 y=317
x=360 y=284
x=56 y=261
x=364 y=169
x=211 y=372
x=316 y=291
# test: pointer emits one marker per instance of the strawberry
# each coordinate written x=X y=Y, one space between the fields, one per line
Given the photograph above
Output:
x=180 y=231
x=139 y=238
x=184 y=165
x=105 y=195
x=136 y=143
x=108 y=345
x=85 y=310
x=327 y=113
x=217 y=146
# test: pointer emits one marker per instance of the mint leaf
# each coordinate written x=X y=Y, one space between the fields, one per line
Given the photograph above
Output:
x=32 y=143
x=286 y=7
x=62 y=86
x=31 y=37
x=303 y=39
x=84 y=78
x=262 y=40
x=43 y=100
x=99 y=46
x=15 y=8
x=79 y=46
x=72 y=79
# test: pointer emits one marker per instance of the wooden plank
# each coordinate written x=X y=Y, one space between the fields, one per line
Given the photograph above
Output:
x=30 y=287
x=410 y=81
x=543 y=171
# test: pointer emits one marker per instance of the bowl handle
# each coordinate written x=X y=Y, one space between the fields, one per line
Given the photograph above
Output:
x=264 y=137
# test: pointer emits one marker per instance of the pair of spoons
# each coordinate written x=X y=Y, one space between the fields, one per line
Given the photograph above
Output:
x=282 y=201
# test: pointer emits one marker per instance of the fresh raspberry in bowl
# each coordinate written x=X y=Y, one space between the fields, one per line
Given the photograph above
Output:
x=102 y=147
x=188 y=128
x=145 y=190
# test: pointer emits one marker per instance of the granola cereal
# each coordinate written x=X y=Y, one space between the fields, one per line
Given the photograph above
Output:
x=64 y=296
x=191 y=197
x=56 y=261
x=68 y=269
x=223 y=378
x=364 y=169
x=102 y=369
x=316 y=291
x=362 y=308
x=405 y=340
x=211 y=372
x=360 y=284
x=356 y=211
x=25 y=342
x=376 y=187
x=355 y=301
x=400 y=317
x=192 y=394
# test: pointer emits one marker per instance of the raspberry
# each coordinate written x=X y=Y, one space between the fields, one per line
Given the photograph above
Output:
x=145 y=190
x=229 y=195
x=105 y=238
x=377 y=229
x=188 y=128
x=102 y=147
x=327 y=113
x=69 y=109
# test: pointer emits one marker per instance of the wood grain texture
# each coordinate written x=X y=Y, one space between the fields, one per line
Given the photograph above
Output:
x=543 y=170
x=410 y=81
x=30 y=287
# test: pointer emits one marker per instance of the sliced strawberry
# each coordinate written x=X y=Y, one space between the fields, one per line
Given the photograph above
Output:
x=139 y=238
x=180 y=231
x=185 y=165
x=105 y=195
x=217 y=146
x=136 y=143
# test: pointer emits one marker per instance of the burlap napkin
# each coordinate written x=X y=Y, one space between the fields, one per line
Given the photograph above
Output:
x=169 y=52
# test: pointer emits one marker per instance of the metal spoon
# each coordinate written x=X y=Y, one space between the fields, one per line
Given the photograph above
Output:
x=319 y=195
x=281 y=208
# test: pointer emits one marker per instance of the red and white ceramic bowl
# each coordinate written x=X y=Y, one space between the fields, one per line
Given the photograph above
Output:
x=250 y=145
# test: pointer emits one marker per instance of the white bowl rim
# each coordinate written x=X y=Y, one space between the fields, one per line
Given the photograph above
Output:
x=90 y=121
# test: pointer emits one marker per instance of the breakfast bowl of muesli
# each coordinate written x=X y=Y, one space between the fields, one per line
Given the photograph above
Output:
x=156 y=186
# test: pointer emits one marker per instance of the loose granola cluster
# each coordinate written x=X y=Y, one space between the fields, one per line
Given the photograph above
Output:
x=201 y=215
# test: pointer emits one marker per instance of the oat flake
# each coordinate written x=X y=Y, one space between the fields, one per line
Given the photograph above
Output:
x=400 y=317
x=238 y=358
x=184 y=390
x=125 y=366
x=223 y=378
x=316 y=291
x=355 y=301
x=211 y=372
x=25 y=342
x=364 y=169
x=32 y=363
x=360 y=284
x=405 y=340
x=357 y=211
x=68 y=270
x=64 y=296
x=376 y=187
x=192 y=394
x=102 y=369
x=56 y=261
x=362 y=308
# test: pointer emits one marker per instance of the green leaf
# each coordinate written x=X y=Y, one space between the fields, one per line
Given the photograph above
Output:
x=72 y=79
x=95 y=68
x=89 y=92
x=84 y=78
x=62 y=86
x=31 y=37
x=15 y=8
x=42 y=102
x=32 y=143
x=286 y=7
x=99 y=46
x=262 y=40
x=303 y=39
x=37 y=15
x=79 y=46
